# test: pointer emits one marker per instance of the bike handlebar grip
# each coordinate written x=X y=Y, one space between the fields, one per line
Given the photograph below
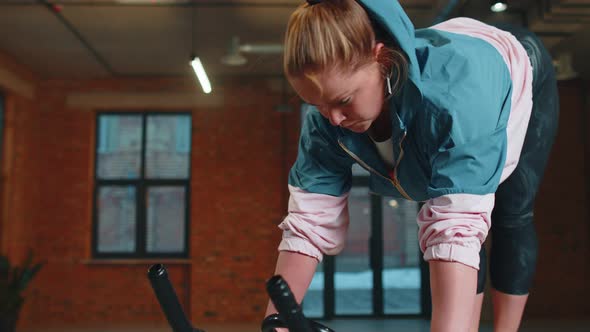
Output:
x=285 y=303
x=168 y=301
x=274 y=321
x=271 y=323
x=317 y=327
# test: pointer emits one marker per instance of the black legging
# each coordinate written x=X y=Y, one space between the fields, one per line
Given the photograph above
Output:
x=513 y=254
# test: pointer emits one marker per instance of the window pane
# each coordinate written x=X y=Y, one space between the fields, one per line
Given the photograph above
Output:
x=119 y=146
x=116 y=219
x=168 y=146
x=353 y=280
x=401 y=262
x=166 y=219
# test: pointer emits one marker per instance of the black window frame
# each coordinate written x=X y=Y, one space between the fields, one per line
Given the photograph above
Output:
x=142 y=186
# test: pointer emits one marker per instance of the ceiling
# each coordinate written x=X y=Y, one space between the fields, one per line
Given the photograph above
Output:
x=85 y=39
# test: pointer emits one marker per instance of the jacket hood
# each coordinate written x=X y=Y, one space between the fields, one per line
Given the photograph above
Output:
x=394 y=20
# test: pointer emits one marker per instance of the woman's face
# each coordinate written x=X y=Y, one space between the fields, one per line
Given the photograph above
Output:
x=351 y=100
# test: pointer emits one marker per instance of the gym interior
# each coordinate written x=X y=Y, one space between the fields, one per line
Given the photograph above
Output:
x=115 y=156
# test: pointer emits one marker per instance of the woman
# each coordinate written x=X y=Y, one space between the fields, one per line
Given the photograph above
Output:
x=460 y=116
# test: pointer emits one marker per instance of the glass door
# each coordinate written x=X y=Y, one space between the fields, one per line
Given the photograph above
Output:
x=378 y=273
x=401 y=257
x=354 y=277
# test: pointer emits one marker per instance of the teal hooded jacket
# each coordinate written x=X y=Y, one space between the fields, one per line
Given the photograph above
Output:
x=449 y=121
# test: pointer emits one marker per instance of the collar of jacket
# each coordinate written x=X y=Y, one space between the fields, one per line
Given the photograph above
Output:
x=361 y=148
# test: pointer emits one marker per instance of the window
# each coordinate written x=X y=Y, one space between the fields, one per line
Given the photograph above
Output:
x=142 y=177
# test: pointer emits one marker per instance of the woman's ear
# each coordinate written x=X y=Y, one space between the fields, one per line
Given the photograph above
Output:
x=377 y=49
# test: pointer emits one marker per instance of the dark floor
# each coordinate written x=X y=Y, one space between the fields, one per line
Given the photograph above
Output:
x=342 y=325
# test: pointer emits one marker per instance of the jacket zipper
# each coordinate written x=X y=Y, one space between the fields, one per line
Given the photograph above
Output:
x=394 y=180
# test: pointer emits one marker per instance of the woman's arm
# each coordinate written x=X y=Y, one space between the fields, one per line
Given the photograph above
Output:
x=453 y=287
x=298 y=270
x=452 y=229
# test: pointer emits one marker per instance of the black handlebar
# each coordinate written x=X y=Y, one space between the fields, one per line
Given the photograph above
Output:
x=168 y=301
x=273 y=322
x=290 y=314
x=285 y=303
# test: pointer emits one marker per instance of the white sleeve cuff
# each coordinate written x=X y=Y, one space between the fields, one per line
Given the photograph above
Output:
x=465 y=253
x=302 y=246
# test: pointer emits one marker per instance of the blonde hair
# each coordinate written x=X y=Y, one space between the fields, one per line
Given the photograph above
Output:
x=338 y=34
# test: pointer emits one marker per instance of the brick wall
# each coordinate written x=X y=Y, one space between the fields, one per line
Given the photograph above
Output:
x=561 y=212
x=241 y=151
x=18 y=176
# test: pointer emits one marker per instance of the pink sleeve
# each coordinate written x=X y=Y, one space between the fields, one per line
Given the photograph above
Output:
x=453 y=227
x=316 y=224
